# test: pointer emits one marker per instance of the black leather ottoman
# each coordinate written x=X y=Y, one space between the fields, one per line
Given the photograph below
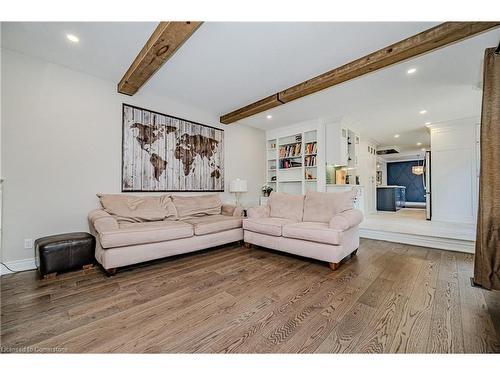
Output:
x=63 y=252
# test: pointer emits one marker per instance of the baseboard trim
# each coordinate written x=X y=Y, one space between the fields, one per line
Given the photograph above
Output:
x=442 y=243
x=18 y=266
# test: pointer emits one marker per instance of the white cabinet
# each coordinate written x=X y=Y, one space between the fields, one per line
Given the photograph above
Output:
x=453 y=173
x=337 y=152
x=342 y=146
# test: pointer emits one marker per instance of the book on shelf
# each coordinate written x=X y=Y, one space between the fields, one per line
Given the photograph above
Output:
x=290 y=150
x=289 y=163
x=311 y=148
x=310 y=161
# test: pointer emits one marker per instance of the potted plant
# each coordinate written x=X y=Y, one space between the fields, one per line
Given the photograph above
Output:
x=266 y=190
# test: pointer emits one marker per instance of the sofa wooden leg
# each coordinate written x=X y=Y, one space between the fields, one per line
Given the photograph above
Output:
x=248 y=245
x=334 y=266
x=50 y=276
x=354 y=252
x=110 y=271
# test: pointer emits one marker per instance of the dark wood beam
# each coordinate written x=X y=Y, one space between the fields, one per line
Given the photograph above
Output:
x=161 y=45
x=426 y=41
x=251 y=109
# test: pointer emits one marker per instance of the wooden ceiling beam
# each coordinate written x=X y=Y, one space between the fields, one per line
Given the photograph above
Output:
x=251 y=109
x=426 y=41
x=161 y=45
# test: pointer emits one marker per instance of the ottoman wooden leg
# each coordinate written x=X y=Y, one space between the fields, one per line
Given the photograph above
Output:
x=248 y=245
x=50 y=276
x=334 y=266
x=87 y=268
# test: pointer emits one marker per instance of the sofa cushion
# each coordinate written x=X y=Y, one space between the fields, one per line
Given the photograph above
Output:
x=135 y=209
x=321 y=207
x=144 y=233
x=199 y=205
x=346 y=219
x=286 y=206
x=266 y=225
x=214 y=223
x=313 y=231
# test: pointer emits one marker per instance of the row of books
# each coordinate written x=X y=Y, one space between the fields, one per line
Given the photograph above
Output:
x=289 y=164
x=311 y=148
x=290 y=150
x=310 y=161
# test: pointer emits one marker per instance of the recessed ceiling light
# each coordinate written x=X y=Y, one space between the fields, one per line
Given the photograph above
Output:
x=419 y=144
x=423 y=112
x=396 y=135
x=269 y=116
x=428 y=123
x=72 y=38
x=411 y=71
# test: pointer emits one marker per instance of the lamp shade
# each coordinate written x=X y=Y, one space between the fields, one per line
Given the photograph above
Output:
x=238 y=186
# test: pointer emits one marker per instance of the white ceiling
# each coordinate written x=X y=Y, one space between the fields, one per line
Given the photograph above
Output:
x=224 y=66
x=105 y=50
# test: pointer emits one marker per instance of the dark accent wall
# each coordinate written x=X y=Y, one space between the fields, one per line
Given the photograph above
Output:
x=399 y=173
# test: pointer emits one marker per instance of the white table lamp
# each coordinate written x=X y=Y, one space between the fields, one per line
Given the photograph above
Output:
x=237 y=187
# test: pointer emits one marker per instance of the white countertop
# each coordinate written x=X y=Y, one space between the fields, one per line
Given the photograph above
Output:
x=391 y=186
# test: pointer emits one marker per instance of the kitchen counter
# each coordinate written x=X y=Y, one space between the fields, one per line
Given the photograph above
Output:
x=390 y=197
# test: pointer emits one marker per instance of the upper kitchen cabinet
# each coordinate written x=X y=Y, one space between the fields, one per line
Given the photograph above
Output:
x=337 y=152
x=352 y=149
x=342 y=146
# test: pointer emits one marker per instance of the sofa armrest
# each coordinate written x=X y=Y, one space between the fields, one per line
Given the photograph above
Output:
x=230 y=209
x=346 y=219
x=102 y=221
x=258 y=212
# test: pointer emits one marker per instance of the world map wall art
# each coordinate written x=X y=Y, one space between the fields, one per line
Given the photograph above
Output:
x=166 y=153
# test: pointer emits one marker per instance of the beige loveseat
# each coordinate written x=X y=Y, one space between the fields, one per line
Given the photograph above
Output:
x=322 y=226
x=133 y=229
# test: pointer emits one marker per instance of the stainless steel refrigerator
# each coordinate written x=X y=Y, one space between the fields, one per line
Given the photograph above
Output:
x=427 y=185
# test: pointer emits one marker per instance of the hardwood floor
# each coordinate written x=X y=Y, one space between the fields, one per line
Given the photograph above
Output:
x=390 y=298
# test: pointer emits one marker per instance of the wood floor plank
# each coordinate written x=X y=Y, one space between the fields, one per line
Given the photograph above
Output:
x=413 y=331
x=446 y=332
x=389 y=298
x=479 y=331
x=347 y=333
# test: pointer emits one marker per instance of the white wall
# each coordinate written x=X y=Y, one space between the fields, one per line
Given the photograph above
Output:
x=62 y=145
x=454 y=171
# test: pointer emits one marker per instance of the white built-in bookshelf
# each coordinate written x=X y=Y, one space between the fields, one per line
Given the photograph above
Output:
x=292 y=164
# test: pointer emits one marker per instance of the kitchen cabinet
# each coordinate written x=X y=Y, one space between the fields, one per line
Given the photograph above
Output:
x=337 y=152
x=390 y=198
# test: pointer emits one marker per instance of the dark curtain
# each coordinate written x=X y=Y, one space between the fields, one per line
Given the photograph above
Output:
x=487 y=259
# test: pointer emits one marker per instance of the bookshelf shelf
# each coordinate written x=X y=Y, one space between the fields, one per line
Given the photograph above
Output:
x=284 y=169
x=291 y=157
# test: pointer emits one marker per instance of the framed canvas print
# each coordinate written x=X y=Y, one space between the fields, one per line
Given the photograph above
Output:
x=165 y=153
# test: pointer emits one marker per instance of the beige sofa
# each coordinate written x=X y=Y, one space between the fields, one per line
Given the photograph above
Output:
x=132 y=229
x=322 y=226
